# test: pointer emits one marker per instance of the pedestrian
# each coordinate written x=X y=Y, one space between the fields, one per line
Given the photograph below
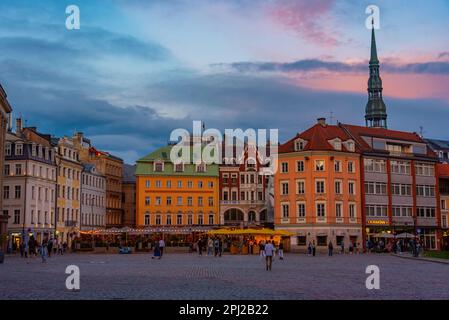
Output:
x=32 y=246
x=200 y=247
x=157 y=251
x=43 y=250
x=351 y=247
x=216 y=244
x=330 y=248
x=269 y=252
x=161 y=246
x=49 y=247
x=250 y=248
x=309 y=248
x=261 y=249
x=342 y=245
x=220 y=247
x=55 y=246
x=64 y=247
x=22 y=249
x=281 y=250
x=210 y=247
x=313 y=248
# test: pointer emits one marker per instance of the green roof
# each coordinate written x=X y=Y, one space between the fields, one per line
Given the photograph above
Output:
x=145 y=165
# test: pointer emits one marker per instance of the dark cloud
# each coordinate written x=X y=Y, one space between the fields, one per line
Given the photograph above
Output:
x=307 y=65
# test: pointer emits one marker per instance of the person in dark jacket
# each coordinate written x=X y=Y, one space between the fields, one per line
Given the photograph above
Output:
x=331 y=248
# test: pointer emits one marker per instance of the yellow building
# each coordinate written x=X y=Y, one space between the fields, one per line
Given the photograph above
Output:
x=175 y=195
x=68 y=190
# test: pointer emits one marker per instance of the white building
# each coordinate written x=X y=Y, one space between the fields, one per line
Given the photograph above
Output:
x=30 y=184
x=93 y=199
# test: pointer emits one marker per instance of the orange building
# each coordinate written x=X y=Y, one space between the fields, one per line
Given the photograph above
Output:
x=317 y=188
x=175 y=195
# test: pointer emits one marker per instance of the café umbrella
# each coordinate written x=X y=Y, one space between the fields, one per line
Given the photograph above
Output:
x=405 y=235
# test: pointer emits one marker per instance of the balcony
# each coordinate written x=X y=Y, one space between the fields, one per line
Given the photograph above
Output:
x=242 y=202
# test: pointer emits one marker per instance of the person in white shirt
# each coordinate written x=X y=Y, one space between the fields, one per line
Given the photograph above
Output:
x=161 y=246
x=269 y=252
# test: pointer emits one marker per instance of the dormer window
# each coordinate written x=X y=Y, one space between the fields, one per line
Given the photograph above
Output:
x=350 y=145
x=179 y=167
x=159 y=166
x=250 y=163
x=299 y=145
x=33 y=150
x=201 y=167
x=19 y=149
x=8 y=149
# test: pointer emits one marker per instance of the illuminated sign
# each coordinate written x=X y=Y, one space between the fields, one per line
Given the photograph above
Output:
x=383 y=222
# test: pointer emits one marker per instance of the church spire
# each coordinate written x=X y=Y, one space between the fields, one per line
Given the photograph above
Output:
x=375 y=111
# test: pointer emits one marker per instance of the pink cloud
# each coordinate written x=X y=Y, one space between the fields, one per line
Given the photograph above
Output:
x=304 y=17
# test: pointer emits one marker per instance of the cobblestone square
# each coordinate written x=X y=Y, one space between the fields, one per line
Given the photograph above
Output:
x=188 y=276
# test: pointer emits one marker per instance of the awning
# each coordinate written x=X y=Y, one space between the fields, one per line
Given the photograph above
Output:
x=266 y=232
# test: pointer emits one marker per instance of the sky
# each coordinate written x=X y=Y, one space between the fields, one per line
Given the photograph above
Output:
x=136 y=70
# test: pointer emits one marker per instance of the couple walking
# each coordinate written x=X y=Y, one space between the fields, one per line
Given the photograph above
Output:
x=159 y=246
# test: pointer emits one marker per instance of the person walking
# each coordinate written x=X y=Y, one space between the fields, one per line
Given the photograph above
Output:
x=161 y=246
x=330 y=248
x=342 y=245
x=216 y=245
x=269 y=252
x=313 y=248
x=261 y=249
x=157 y=251
x=351 y=247
x=220 y=247
x=210 y=247
x=43 y=250
x=281 y=250
x=22 y=249
x=200 y=247
x=49 y=247
x=32 y=247
x=309 y=249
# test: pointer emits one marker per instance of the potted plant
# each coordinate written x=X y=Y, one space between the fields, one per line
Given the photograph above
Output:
x=3 y=239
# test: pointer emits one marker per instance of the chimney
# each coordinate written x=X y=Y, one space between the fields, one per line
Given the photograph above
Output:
x=322 y=121
x=10 y=122
x=19 y=125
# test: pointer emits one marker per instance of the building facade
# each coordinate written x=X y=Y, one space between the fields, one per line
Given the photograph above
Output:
x=112 y=168
x=68 y=189
x=399 y=183
x=184 y=194
x=443 y=176
x=441 y=148
x=129 y=196
x=29 y=189
x=5 y=113
x=317 y=188
x=243 y=190
x=93 y=199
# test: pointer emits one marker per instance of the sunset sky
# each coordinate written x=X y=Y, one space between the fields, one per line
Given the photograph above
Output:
x=136 y=70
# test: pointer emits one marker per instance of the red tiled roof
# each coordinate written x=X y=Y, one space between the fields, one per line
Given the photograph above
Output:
x=317 y=138
x=443 y=170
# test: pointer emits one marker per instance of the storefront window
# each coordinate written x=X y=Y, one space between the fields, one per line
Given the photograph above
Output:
x=321 y=240
x=302 y=240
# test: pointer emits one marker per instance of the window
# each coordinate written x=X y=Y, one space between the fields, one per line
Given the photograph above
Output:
x=168 y=201
x=338 y=210
x=16 y=216
x=179 y=201
x=211 y=219
x=337 y=166
x=338 y=186
x=300 y=166
x=190 y=219
x=351 y=167
x=201 y=167
x=425 y=212
x=179 y=167
x=225 y=178
x=168 y=219
x=376 y=210
x=190 y=201
x=300 y=187
x=284 y=167
x=158 y=201
x=424 y=169
x=443 y=204
x=7 y=149
x=284 y=188
x=19 y=149
x=425 y=191
x=168 y=183
x=301 y=209
x=285 y=210
x=179 y=183
x=18 y=192
x=378 y=188
x=350 y=146
x=321 y=210
x=147 y=201
x=301 y=240
x=18 y=169
x=351 y=187
x=210 y=201
x=158 y=219
x=319 y=165
x=147 y=183
x=6 y=170
x=158 y=183
x=400 y=167
x=159 y=166
x=398 y=189
x=352 y=213
x=210 y=184
x=200 y=184
x=319 y=186
x=200 y=219
x=189 y=184
x=375 y=165
x=179 y=219
x=5 y=192
x=200 y=201
x=402 y=211
x=299 y=145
